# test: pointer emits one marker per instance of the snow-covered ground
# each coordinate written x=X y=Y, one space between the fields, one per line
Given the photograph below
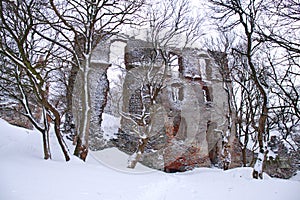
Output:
x=24 y=175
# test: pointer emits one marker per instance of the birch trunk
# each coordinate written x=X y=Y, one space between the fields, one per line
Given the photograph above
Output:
x=81 y=149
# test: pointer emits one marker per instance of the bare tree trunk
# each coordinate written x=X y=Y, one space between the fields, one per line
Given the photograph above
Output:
x=244 y=156
x=137 y=155
x=59 y=137
x=81 y=150
x=83 y=127
x=57 y=123
x=46 y=146
x=258 y=167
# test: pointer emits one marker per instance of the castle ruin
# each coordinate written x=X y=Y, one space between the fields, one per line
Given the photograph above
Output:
x=191 y=119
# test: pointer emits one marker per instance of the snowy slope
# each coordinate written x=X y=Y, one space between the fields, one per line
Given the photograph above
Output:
x=116 y=160
x=24 y=175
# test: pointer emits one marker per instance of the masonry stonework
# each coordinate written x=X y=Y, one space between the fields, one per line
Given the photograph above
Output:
x=191 y=116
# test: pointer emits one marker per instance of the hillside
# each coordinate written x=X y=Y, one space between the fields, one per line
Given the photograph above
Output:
x=26 y=176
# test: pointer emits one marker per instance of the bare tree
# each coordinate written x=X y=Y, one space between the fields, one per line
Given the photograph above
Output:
x=15 y=91
x=283 y=50
x=267 y=57
x=144 y=120
x=82 y=26
x=244 y=15
x=282 y=25
x=170 y=29
x=28 y=58
x=247 y=106
x=220 y=49
x=281 y=34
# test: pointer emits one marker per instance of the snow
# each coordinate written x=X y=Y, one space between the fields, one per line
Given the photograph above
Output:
x=25 y=175
x=110 y=126
x=117 y=160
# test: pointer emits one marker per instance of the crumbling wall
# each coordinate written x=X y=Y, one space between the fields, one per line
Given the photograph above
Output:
x=98 y=86
x=195 y=105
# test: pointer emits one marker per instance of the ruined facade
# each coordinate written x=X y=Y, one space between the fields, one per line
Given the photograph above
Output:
x=195 y=108
x=189 y=119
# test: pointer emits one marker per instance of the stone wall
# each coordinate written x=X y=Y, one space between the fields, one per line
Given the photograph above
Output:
x=98 y=86
x=189 y=118
x=194 y=103
x=11 y=113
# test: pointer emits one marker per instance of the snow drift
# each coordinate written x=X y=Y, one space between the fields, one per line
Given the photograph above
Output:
x=26 y=176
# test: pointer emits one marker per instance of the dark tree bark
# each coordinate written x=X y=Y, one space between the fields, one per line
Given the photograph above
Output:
x=19 y=46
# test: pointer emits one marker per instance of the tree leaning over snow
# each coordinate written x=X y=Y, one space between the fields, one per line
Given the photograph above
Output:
x=88 y=22
x=28 y=59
